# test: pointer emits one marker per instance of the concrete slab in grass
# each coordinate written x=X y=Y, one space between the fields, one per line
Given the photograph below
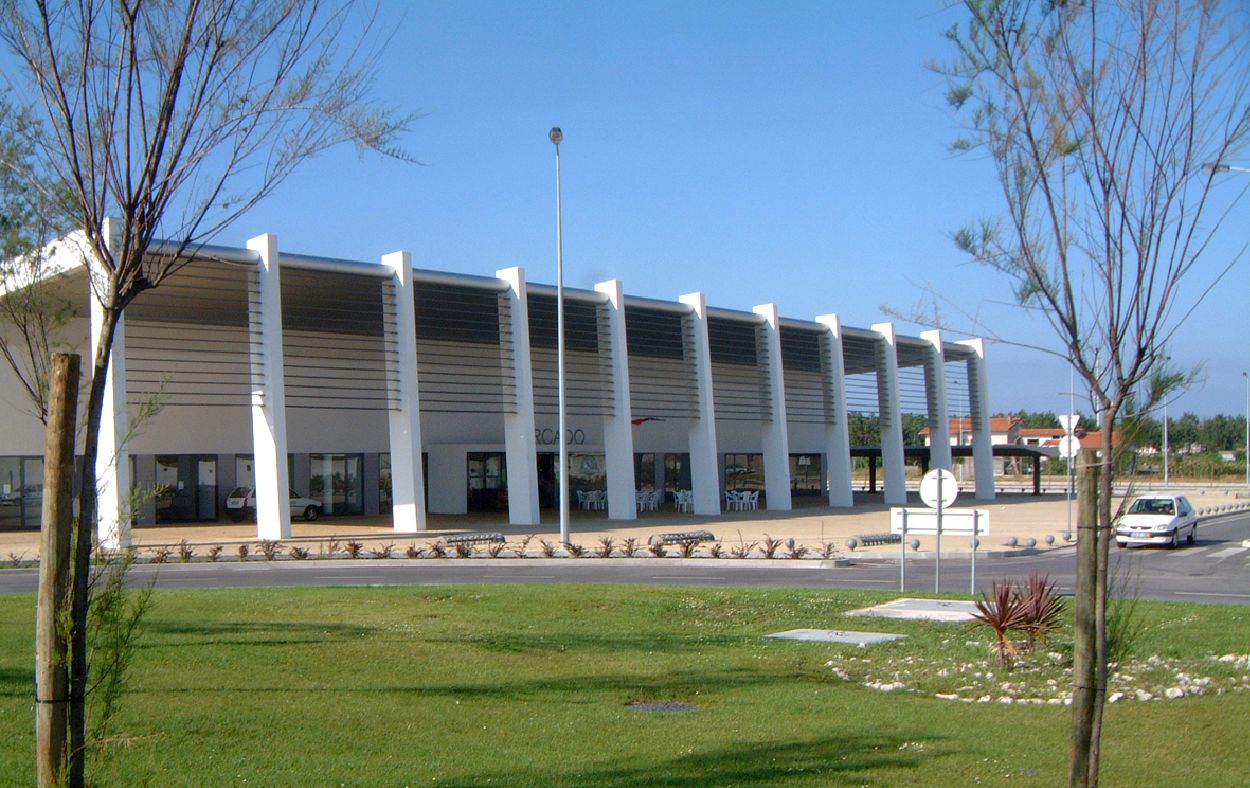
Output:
x=836 y=636
x=933 y=609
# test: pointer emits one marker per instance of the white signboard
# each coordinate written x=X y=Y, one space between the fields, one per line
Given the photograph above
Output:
x=1069 y=446
x=1069 y=422
x=939 y=487
x=923 y=522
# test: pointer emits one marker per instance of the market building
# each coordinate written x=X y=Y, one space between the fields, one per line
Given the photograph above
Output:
x=375 y=387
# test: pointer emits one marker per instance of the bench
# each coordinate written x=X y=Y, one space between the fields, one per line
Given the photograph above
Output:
x=685 y=536
x=869 y=540
x=474 y=538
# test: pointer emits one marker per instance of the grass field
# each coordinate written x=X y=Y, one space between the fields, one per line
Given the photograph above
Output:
x=530 y=686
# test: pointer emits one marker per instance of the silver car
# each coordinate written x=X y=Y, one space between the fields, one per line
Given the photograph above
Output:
x=1160 y=519
x=241 y=505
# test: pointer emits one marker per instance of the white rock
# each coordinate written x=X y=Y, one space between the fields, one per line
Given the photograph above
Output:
x=947 y=697
x=1007 y=701
x=984 y=699
x=1143 y=695
x=1173 y=693
x=1115 y=697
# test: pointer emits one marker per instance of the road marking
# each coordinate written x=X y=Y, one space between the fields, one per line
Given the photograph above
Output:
x=1226 y=552
x=686 y=577
x=1211 y=593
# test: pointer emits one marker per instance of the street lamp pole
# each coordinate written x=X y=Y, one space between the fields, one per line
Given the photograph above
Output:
x=556 y=138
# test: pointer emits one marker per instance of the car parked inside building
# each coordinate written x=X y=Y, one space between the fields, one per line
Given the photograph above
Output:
x=1157 y=519
x=241 y=505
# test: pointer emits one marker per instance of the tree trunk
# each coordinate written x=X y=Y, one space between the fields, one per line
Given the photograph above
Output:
x=1084 y=668
x=87 y=519
x=1105 y=490
x=51 y=649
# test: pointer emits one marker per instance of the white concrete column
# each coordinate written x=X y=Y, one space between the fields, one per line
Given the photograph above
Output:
x=618 y=429
x=935 y=395
x=837 y=429
x=273 y=508
x=982 y=437
x=888 y=406
x=704 y=475
x=112 y=465
x=518 y=424
x=774 y=435
x=407 y=483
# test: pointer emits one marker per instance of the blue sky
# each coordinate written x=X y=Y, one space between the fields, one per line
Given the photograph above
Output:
x=760 y=152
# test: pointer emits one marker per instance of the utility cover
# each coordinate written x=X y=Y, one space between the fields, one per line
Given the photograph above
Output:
x=837 y=636
x=933 y=609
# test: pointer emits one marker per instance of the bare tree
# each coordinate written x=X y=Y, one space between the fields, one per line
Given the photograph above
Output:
x=1098 y=116
x=174 y=118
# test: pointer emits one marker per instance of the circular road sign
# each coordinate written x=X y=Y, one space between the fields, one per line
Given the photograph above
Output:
x=1069 y=445
x=929 y=488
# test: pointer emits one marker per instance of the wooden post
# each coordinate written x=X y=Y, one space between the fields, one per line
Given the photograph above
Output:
x=1085 y=657
x=51 y=664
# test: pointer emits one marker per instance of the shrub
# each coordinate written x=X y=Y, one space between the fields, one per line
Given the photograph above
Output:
x=688 y=546
x=383 y=551
x=299 y=553
x=656 y=549
x=519 y=550
x=464 y=549
x=353 y=549
x=495 y=548
x=1041 y=608
x=629 y=547
x=606 y=546
x=717 y=550
x=214 y=552
x=15 y=560
x=743 y=550
x=332 y=547
x=795 y=550
x=549 y=549
x=575 y=550
x=243 y=551
x=413 y=551
x=827 y=550
x=770 y=546
x=437 y=550
x=185 y=551
x=270 y=549
x=1000 y=611
x=161 y=554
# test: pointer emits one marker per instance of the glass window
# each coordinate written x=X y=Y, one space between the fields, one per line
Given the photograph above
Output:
x=805 y=476
x=644 y=472
x=676 y=473
x=335 y=481
x=744 y=472
x=488 y=481
x=10 y=492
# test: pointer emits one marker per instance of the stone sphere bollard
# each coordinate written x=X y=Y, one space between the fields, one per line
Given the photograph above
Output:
x=1050 y=539
x=915 y=545
x=1067 y=536
x=1012 y=541
x=1031 y=542
x=852 y=543
x=975 y=543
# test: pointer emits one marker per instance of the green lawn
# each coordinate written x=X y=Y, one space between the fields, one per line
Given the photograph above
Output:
x=529 y=686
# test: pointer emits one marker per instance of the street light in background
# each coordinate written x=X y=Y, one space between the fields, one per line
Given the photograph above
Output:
x=1215 y=168
x=556 y=138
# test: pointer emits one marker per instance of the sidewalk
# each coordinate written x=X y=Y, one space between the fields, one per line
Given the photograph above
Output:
x=810 y=523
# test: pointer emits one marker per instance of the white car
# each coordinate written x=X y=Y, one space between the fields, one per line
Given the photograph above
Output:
x=1157 y=519
x=241 y=505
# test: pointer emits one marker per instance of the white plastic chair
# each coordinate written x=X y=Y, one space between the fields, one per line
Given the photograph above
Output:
x=752 y=500
x=654 y=500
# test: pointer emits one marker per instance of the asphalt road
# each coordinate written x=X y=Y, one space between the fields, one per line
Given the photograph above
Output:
x=1216 y=569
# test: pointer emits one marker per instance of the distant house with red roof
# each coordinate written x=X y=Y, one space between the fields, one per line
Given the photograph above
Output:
x=1004 y=431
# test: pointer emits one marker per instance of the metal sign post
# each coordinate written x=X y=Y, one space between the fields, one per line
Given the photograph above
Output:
x=902 y=559
x=938 y=489
x=975 y=531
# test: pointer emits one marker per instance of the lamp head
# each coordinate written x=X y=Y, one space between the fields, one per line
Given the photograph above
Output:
x=555 y=136
x=1212 y=167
